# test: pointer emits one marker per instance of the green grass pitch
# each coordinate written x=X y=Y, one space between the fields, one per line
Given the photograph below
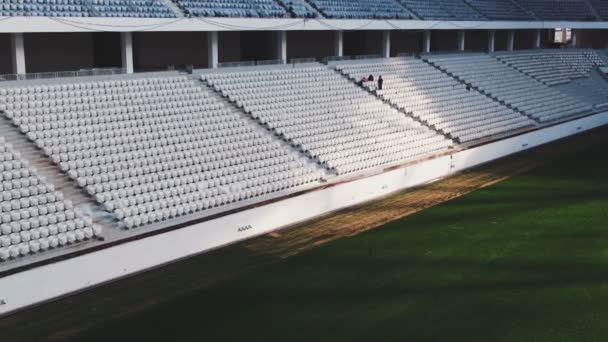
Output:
x=523 y=260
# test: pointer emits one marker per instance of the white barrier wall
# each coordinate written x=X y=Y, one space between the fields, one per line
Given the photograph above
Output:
x=25 y=288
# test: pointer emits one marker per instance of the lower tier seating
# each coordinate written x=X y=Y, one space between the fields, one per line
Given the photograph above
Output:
x=438 y=99
x=328 y=117
x=151 y=149
x=509 y=85
x=553 y=67
x=34 y=217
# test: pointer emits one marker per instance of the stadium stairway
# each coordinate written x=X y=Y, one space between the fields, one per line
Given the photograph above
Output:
x=179 y=13
x=214 y=93
x=408 y=114
x=473 y=87
x=53 y=174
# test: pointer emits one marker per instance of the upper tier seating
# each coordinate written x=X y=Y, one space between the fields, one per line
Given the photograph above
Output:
x=34 y=217
x=442 y=10
x=361 y=9
x=499 y=9
x=328 y=117
x=559 y=9
x=232 y=8
x=601 y=7
x=89 y=8
x=438 y=99
x=150 y=149
x=299 y=8
x=511 y=86
x=553 y=67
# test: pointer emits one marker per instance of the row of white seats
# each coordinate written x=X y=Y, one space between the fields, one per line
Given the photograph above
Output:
x=435 y=98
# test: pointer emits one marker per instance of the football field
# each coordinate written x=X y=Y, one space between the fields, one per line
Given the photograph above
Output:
x=514 y=251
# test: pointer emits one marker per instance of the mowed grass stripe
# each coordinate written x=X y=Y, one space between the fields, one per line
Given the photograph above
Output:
x=115 y=302
x=522 y=260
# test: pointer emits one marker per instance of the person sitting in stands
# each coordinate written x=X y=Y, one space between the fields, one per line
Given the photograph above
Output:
x=380 y=82
x=362 y=80
x=370 y=78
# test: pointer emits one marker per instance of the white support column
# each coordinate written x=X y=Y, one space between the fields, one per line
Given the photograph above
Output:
x=126 y=51
x=511 y=40
x=386 y=44
x=339 y=44
x=491 y=41
x=18 y=53
x=537 y=39
x=282 y=46
x=426 y=41
x=212 y=49
x=573 y=38
x=461 y=41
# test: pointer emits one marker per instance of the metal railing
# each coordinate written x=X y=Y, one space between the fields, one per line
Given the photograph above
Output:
x=337 y=58
x=302 y=60
x=270 y=62
x=367 y=56
x=62 y=74
x=235 y=64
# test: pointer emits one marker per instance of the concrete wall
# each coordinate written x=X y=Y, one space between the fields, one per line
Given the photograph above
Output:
x=500 y=43
x=61 y=278
x=362 y=43
x=303 y=44
x=46 y=52
x=476 y=40
x=444 y=41
x=406 y=42
x=229 y=47
x=158 y=50
x=597 y=39
x=258 y=45
x=106 y=50
x=6 y=60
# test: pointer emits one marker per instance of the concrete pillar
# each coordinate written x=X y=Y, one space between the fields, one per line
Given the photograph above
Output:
x=491 y=41
x=573 y=38
x=537 y=39
x=18 y=53
x=461 y=41
x=339 y=43
x=212 y=49
x=282 y=46
x=126 y=51
x=510 y=40
x=386 y=44
x=426 y=41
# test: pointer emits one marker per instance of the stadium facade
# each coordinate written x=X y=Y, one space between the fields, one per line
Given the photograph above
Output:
x=112 y=165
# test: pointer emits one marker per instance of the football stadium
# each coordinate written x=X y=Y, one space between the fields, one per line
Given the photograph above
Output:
x=303 y=170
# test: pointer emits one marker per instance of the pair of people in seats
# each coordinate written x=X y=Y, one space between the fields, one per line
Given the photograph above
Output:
x=370 y=78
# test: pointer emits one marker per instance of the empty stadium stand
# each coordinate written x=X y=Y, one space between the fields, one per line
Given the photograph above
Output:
x=327 y=116
x=438 y=99
x=232 y=8
x=553 y=67
x=361 y=9
x=299 y=8
x=510 y=86
x=151 y=149
x=34 y=216
x=601 y=8
x=559 y=9
x=442 y=10
x=87 y=8
x=499 y=9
